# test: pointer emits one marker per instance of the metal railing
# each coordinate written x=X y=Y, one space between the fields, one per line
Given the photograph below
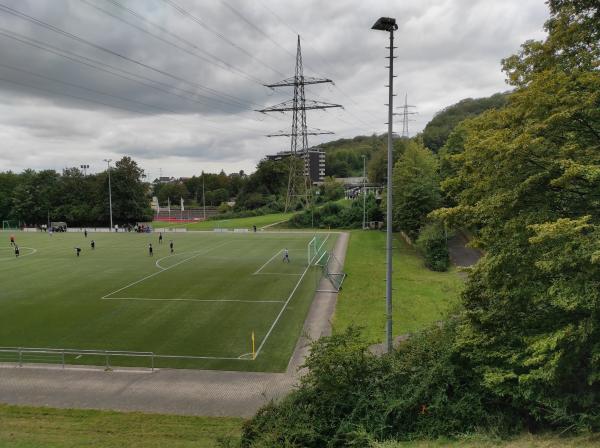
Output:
x=27 y=355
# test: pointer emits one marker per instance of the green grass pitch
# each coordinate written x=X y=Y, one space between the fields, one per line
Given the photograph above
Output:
x=203 y=302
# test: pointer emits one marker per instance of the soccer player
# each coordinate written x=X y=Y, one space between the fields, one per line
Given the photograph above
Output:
x=78 y=250
x=286 y=256
x=93 y=244
x=17 y=251
x=150 y=250
x=12 y=240
x=254 y=227
x=160 y=238
x=85 y=233
x=171 y=246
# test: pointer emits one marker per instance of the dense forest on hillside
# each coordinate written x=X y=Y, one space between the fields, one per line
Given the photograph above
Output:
x=436 y=132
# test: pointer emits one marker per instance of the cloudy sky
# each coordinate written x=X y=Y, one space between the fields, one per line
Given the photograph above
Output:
x=174 y=83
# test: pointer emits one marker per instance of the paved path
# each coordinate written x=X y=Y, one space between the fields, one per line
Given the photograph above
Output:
x=173 y=391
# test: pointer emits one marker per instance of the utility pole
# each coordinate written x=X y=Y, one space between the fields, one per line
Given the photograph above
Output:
x=109 y=194
x=299 y=133
x=364 y=192
x=389 y=24
x=203 y=197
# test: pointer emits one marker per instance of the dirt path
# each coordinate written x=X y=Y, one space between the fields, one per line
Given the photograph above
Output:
x=172 y=391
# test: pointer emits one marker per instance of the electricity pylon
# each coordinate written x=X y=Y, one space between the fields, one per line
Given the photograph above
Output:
x=298 y=105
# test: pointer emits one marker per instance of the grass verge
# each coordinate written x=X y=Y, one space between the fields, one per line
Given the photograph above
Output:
x=522 y=441
x=234 y=223
x=420 y=296
x=32 y=427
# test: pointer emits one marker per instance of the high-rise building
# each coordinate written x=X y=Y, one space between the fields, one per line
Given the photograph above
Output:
x=314 y=163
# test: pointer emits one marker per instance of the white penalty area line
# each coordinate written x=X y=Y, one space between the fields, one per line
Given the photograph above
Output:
x=164 y=269
x=268 y=261
x=192 y=300
x=280 y=313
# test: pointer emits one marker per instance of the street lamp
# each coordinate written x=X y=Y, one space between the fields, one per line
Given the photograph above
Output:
x=109 y=194
x=389 y=24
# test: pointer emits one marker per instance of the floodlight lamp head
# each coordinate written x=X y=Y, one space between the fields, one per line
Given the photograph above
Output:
x=385 y=24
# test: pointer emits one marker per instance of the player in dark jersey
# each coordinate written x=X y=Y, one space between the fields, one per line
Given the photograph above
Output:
x=78 y=250
x=17 y=251
x=171 y=246
x=150 y=250
x=93 y=244
x=160 y=238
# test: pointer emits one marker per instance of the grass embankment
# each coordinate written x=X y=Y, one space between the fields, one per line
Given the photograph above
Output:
x=33 y=427
x=523 y=441
x=233 y=223
x=420 y=296
x=30 y=427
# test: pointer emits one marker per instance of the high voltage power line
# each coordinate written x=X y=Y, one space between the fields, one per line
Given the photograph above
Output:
x=98 y=92
x=77 y=38
x=210 y=58
x=101 y=66
x=204 y=25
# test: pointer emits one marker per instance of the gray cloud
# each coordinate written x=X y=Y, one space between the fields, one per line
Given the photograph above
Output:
x=55 y=112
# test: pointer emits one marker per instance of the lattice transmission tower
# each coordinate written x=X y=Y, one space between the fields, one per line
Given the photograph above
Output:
x=406 y=113
x=299 y=133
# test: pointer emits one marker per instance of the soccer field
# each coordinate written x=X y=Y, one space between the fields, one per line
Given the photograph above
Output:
x=196 y=308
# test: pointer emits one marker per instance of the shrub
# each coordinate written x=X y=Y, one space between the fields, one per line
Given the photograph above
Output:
x=351 y=397
x=434 y=247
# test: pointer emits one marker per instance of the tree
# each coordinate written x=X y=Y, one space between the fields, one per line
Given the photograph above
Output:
x=416 y=188
x=130 y=198
x=527 y=178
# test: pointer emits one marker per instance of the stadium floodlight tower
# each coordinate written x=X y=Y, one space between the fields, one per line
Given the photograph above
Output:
x=389 y=24
x=109 y=195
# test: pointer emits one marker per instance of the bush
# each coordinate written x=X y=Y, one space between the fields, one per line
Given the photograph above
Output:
x=351 y=397
x=335 y=215
x=433 y=245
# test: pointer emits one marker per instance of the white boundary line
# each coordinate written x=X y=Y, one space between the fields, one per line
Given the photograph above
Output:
x=165 y=269
x=268 y=261
x=192 y=300
x=280 y=313
x=33 y=251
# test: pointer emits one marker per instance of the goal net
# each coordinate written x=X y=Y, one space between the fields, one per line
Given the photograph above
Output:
x=10 y=224
x=332 y=270
x=316 y=249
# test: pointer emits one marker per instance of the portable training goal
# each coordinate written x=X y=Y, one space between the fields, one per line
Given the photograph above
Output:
x=10 y=224
x=332 y=270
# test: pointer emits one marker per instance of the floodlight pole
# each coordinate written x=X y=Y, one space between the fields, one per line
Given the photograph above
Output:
x=389 y=24
x=364 y=157
x=109 y=195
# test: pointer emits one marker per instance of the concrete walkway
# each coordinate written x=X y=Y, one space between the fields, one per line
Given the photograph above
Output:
x=171 y=391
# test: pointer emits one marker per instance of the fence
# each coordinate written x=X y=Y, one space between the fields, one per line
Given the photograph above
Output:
x=63 y=356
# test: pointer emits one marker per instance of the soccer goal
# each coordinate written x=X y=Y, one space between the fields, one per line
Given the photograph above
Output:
x=332 y=270
x=10 y=224
x=316 y=249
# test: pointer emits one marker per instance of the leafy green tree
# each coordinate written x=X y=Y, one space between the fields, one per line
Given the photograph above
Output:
x=528 y=179
x=8 y=183
x=35 y=196
x=130 y=195
x=173 y=192
x=416 y=188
